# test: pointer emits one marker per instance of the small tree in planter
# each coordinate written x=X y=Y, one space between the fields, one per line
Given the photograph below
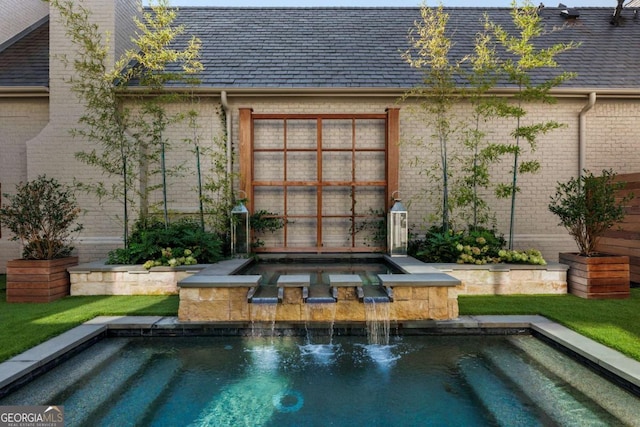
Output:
x=42 y=215
x=587 y=207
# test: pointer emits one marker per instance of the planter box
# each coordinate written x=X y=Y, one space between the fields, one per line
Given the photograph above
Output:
x=38 y=280
x=597 y=277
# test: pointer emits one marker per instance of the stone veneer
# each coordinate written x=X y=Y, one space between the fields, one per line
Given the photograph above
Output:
x=212 y=293
x=224 y=299
x=96 y=278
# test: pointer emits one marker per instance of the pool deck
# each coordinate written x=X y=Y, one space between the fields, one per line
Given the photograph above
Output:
x=22 y=367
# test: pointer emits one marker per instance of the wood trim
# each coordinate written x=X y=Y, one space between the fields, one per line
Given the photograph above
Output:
x=318 y=116
x=245 y=149
x=388 y=185
x=393 y=154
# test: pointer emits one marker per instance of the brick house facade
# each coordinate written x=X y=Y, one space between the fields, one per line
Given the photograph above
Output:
x=317 y=62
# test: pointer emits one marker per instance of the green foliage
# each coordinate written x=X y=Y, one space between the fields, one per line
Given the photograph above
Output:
x=151 y=240
x=429 y=53
x=375 y=228
x=263 y=221
x=521 y=57
x=473 y=246
x=217 y=186
x=129 y=144
x=587 y=207
x=41 y=214
x=530 y=256
x=172 y=258
x=477 y=246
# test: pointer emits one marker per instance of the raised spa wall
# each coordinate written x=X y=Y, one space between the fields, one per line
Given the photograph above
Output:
x=213 y=293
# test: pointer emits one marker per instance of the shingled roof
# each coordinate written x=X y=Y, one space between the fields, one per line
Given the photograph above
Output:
x=25 y=62
x=360 y=48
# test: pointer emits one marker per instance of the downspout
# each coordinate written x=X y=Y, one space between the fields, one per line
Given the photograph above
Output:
x=582 y=134
x=227 y=114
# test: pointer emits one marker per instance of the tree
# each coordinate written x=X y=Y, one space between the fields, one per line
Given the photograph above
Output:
x=123 y=140
x=429 y=52
x=521 y=57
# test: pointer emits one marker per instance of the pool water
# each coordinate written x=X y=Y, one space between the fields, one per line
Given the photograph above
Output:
x=320 y=269
x=338 y=381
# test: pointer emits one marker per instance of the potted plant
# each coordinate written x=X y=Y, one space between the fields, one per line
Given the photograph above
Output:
x=42 y=215
x=587 y=207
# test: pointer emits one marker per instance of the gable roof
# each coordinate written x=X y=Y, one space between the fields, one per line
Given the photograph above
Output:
x=356 y=49
x=361 y=47
x=24 y=61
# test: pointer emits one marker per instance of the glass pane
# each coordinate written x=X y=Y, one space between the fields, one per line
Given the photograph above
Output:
x=370 y=166
x=336 y=232
x=336 y=134
x=302 y=134
x=370 y=134
x=268 y=134
x=268 y=166
x=302 y=166
x=336 y=201
x=270 y=199
x=336 y=166
x=370 y=200
x=301 y=233
x=302 y=201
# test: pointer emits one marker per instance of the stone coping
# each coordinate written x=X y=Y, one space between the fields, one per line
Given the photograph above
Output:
x=293 y=280
x=205 y=281
x=224 y=267
x=23 y=365
x=418 y=280
x=336 y=280
x=551 y=266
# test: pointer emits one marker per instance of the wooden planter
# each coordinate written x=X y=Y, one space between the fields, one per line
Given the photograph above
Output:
x=597 y=277
x=38 y=280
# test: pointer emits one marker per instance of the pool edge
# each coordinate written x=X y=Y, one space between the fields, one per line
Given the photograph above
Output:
x=19 y=369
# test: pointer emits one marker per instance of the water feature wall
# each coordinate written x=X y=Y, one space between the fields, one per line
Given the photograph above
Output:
x=208 y=297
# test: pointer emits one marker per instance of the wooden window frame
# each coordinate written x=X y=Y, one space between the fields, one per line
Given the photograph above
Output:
x=248 y=183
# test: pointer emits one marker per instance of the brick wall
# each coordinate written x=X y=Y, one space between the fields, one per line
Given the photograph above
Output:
x=29 y=150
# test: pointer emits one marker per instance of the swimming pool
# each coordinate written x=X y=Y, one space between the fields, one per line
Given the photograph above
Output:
x=289 y=381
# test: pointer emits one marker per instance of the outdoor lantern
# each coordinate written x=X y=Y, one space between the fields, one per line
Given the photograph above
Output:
x=397 y=229
x=239 y=229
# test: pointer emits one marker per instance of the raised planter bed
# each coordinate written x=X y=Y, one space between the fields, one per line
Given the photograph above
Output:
x=38 y=280
x=597 y=277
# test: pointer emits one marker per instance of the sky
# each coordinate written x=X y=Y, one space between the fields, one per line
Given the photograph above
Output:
x=381 y=3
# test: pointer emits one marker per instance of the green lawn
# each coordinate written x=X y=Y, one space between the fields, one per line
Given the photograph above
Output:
x=615 y=323
x=24 y=325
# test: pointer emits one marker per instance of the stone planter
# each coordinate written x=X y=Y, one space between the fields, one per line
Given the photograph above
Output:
x=597 y=277
x=38 y=280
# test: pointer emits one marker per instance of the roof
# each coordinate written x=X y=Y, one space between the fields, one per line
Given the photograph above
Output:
x=24 y=61
x=357 y=48
x=361 y=47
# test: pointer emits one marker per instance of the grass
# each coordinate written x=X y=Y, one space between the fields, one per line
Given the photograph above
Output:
x=614 y=323
x=23 y=326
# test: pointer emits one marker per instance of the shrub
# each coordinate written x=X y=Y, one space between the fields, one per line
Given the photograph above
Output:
x=41 y=215
x=479 y=246
x=587 y=207
x=152 y=241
